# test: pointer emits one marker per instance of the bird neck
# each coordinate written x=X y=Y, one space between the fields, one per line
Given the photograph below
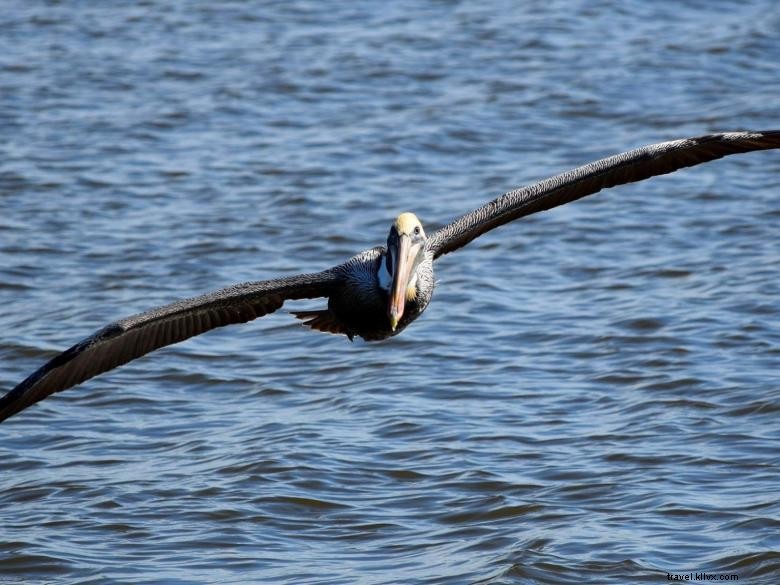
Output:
x=385 y=280
x=383 y=277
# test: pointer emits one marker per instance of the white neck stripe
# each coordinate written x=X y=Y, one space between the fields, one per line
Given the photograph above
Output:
x=383 y=276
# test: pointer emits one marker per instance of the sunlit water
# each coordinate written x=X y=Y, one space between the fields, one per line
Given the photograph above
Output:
x=592 y=396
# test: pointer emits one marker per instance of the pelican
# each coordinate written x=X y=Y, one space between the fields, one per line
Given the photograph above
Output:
x=375 y=294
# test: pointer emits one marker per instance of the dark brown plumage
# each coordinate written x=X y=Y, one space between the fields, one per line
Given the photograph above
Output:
x=375 y=294
x=130 y=338
x=628 y=167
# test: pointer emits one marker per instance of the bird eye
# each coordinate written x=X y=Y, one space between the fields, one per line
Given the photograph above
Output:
x=417 y=230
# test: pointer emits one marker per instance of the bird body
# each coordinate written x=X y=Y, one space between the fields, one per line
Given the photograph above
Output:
x=375 y=294
x=357 y=304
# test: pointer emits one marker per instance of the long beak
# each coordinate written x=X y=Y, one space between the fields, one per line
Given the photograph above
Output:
x=404 y=261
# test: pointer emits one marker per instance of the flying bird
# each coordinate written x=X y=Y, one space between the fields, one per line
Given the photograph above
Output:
x=375 y=294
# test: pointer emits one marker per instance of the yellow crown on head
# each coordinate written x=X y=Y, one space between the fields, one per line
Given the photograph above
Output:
x=406 y=222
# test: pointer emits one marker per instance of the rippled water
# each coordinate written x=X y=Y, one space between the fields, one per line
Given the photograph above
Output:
x=592 y=396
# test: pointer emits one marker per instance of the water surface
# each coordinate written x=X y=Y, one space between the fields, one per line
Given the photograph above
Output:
x=592 y=396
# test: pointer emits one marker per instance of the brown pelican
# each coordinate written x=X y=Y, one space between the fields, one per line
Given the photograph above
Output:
x=375 y=294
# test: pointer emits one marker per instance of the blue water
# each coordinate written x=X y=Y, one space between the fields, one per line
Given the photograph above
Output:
x=593 y=394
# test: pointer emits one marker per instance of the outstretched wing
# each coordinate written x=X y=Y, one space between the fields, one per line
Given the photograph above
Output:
x=635 y=165
x=128 y=339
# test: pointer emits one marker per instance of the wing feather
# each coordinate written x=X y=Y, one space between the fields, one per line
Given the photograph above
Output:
x=635 y=165
x=131 y=338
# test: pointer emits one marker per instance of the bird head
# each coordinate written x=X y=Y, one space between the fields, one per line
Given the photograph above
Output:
x=405 y=251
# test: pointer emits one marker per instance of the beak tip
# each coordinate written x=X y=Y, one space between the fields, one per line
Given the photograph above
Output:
x=393 y=322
